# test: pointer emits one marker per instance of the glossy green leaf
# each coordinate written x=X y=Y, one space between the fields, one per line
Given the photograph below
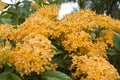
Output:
x=55 y=75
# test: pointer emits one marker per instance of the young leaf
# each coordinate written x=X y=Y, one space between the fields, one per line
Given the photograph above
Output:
x=55 y=75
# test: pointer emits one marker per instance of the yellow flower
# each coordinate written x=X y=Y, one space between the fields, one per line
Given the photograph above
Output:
x=49 y=11
x=35 y=23
x=33 y=49
x=5 y=53
x=39 y=22
x=115 y=26
x=33 y=54
x=7 y=31
x=92 y=68
x=108 y=37
x=78 y=40
x=98 y=49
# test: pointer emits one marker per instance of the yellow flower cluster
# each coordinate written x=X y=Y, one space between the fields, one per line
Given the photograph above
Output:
x=115 y=26
x=5 y=53
x=35 y=23
x=73 y=31
x=50 y=11
x=73 y=41
x=93 y=68
x=34 y=54
x=39 y=22
x=33 y=51
x=107 y=37
x=89 y=55
x=98 y=49
x=76 y=32
x=2 y=5
x=7 y=31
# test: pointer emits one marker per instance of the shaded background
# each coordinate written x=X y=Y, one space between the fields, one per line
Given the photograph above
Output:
x=108 y=7
x=19 y=11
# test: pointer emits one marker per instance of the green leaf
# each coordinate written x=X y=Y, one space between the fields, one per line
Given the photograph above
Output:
x=2 y=41
x=55 y=75
x=57 y=44
x=53 y=1
x=4 y=75
x=97 y=31
x=93 y=35
x=40 y=2
x=9 y=76
x=112 y=52
x=60 y=62
x=58 y=51
x=6 y=20
x=15 y=77
x=16 y=14
x=116 y=39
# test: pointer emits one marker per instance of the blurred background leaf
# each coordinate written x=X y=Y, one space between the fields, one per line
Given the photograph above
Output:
x=55 y=75
x=15 y=14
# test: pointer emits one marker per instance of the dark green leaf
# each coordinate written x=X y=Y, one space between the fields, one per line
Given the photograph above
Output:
x=55 y=75
x=97 y=31
x=112 y=52
x=9 y=76
x=2 y=41
x=4 y=76
x=58 y=51
x=16 y=14
x=53 y=1
x=116 y=39
x=40 y=2
x=59 y=62
x=15 y=77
